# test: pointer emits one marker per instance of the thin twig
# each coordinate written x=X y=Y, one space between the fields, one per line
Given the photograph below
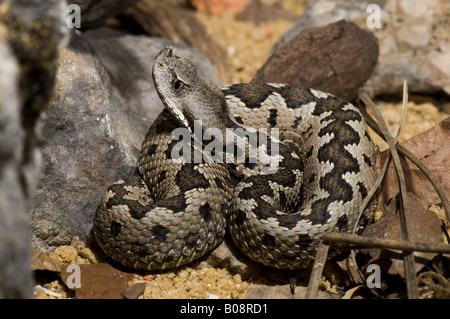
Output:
x=372 y=191
x=383 y=243
x=429 y=174
x=316 y=273
x=410 y=276
x=362 y=209
x=404 y=110
x=383 y=171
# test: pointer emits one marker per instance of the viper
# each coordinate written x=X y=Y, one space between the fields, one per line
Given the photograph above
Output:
x=276 y=194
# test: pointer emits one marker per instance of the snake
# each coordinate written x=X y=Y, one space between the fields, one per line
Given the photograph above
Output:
x=275 y=166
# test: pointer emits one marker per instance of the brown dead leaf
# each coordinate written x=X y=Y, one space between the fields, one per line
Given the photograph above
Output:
x=423 y=226
x=432 y=148
x=99 y=281
x=42 y=261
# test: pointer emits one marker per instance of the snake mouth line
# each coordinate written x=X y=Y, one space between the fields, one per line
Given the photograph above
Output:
x=248 y=146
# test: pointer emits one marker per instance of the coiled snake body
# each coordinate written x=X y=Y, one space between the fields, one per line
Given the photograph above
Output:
x=175 y=211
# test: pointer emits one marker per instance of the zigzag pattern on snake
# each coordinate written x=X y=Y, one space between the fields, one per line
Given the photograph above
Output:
x=174 y=212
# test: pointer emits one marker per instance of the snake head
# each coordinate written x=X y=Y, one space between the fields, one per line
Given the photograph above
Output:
x=188 y=97
x=173 y=78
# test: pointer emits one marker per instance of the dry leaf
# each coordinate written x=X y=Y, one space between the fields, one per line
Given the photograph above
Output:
x=423 y=226
x=432 y=148
x=349 y=293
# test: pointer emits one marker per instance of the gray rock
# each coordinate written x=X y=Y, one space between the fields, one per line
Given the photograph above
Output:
x=15 y=261
x=337 y=58
x=413 y=38
x=93 y=131
x=35 y=32
x=95 y=12
x=322 y=12
x=228 y=256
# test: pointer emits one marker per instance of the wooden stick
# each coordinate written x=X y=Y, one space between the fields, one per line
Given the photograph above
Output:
x=316 y=273
x=382 y=243
x=410 y=275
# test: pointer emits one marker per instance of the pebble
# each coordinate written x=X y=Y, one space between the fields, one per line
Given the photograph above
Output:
x=64 y=255
x=90 y=255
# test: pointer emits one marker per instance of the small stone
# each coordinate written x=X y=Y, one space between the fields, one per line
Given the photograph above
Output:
x=227 y=255
x=337 y=58
x=93 y=256
x=42 y=261
x=133 y=292
x=100 y=281
x=64 y=255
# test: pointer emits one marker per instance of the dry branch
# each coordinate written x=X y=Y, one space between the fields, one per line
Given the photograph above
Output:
x=382 y=243
x=316 y=273
x=410 y=275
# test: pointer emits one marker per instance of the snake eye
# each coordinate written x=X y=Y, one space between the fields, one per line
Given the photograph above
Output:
x=177 y=85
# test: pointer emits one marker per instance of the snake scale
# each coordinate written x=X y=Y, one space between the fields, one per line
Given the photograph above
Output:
x=175 y=211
